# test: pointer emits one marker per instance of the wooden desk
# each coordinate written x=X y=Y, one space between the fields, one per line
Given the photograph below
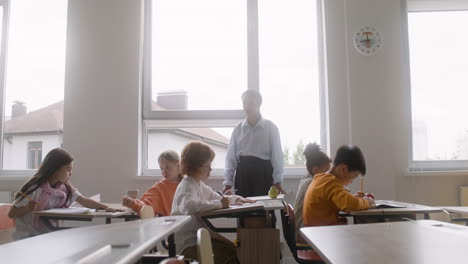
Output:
x=423 y=241
x=407 y=209
x=456 y=209
x=263 y=204
x=122 y=242
x=265 y=197
x=128 y=214
x=231 y=212
x=463 y=210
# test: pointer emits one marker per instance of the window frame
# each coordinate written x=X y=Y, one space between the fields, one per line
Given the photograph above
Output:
x=34 y=161
x=218 y=118
x=7 y=174
x=148 y=113
x=428 y=167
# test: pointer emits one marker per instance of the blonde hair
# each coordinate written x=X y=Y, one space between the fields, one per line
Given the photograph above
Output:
x=169 y=155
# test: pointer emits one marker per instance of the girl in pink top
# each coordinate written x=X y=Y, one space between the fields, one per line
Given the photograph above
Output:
x=49 y=188
x=161 y=194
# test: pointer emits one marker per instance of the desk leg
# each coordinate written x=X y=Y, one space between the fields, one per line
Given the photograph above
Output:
x=172 y=249
x=49 y=225
x=270 y=218
x=108 y=220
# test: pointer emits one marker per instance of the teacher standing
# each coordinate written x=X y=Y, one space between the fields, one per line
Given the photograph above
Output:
x=254 y=156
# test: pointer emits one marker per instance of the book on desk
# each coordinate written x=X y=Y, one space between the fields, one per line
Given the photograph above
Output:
x=69 y=210
x=382 y=204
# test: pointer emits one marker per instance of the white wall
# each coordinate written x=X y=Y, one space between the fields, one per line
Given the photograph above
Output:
x=102 y=80
x=15 y=154
x=368 y=99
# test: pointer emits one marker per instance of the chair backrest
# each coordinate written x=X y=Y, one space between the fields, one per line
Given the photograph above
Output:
x=302 y=253
x=204 y=248
x=146 y=212
x=5 y=221
x=289 y=231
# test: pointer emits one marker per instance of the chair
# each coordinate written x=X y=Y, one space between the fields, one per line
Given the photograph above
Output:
x=5 y=221
x=172 y=261
x=204 y=248
x=146 y=212
x=7 y=225
x=302 y=253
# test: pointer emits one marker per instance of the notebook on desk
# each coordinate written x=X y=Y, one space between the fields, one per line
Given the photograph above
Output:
x=70 y=210
x=265 y=197
x=382 y=204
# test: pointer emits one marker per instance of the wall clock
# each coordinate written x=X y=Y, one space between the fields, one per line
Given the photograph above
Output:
x=367 y=41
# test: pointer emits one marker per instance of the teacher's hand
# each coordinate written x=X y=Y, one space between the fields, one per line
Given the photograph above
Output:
x=280 y=189
x=227 y=190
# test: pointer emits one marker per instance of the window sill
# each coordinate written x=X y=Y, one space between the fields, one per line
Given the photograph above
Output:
x=438 y=173
x=217 y=174
x=16 y=175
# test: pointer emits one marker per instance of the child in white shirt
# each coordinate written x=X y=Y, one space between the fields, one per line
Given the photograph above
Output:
x=194 y=196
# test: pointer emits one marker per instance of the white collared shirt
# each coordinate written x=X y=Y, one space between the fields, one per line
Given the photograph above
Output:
x=190 y=198
x=261 y=141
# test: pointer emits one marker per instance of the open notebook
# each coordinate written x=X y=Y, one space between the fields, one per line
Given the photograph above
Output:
x=70 y=210
x=387 y=204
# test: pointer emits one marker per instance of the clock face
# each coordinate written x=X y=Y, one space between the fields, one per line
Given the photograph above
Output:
x=367 y=41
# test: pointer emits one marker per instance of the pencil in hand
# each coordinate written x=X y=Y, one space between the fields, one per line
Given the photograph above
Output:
x=362 y=185
x=220 y=194
x=29 y=198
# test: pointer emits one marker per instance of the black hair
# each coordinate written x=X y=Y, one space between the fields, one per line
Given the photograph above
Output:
x=255 y=94
x=352 y=157
x=314 y=157
x=53 y=161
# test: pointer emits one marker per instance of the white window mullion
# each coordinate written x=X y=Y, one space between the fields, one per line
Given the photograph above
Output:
x=146 y=77
x=3 y=51
x=252 y=45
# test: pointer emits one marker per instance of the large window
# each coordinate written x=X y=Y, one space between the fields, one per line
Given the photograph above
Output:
x=205 y=53
x=33 y=85
x=439 y=59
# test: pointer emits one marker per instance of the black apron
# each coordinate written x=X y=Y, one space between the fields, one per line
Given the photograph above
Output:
x=254 y=176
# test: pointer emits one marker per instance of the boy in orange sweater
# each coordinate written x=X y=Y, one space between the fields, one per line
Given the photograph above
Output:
x=161 y=194
x=327 y=195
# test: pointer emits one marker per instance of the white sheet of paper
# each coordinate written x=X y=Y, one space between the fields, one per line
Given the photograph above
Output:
x=71 y=210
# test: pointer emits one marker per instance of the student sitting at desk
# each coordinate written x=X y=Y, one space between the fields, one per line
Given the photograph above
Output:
x=48 y=188
x=327 y=195
x=316 y=162
x=194 y=196
x=161 y=194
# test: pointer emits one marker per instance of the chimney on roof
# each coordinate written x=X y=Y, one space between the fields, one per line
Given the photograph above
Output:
x=18 y=109
x=173 y=100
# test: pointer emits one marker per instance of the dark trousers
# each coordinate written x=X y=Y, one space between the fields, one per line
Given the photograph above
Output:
x=254 y=176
